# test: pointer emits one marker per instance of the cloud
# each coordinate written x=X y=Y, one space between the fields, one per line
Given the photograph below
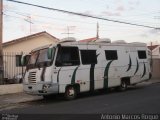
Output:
x=148 y=33
x=120 y=8
x=117 y=1
x=116 y=10
x=154 y=31
x=131 y=8
x=107 y=7
x=134 y=2
x=8 y=7
x=143 y=35
x=109 y=13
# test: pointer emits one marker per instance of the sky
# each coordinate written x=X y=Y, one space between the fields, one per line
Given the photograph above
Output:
x=21 y=20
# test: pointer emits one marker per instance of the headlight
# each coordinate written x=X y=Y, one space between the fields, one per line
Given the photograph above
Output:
x=46 y=86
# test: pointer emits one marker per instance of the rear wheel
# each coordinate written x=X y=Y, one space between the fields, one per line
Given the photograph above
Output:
x=123 y=86
x=70 y=93
x=48 y=97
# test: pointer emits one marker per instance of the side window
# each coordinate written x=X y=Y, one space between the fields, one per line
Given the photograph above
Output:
x=88 y=57
x=142 y=54
x=111 y=54
x=67 y=56
x=18 y=60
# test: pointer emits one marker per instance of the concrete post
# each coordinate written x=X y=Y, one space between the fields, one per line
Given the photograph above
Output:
x=1 y=37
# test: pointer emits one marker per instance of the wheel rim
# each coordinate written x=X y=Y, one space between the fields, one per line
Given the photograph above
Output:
x=70 y=92
x=123 y=85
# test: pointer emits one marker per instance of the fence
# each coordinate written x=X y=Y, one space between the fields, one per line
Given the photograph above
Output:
x=13 y=70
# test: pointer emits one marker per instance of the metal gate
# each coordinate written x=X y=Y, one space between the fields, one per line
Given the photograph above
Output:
x=13 y=70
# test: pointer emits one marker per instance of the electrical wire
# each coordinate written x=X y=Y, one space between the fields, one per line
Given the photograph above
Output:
x=53 y=18
x=81 y=14
x=51 y=24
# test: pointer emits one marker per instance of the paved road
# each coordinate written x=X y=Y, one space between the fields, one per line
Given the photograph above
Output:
x=141 y=99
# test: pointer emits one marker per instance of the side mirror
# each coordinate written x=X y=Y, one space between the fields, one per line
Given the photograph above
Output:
x=24 y=60
x=49 y=53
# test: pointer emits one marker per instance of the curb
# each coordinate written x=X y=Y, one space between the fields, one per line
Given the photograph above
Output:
x=18 y=88
x=155 y=82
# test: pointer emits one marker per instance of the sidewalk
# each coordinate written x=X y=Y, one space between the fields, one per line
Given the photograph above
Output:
x=152 y=81
x=11 y=99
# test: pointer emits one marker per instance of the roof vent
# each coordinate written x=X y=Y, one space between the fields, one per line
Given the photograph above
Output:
x=68 y=39
x=120 y=41
x=138 y=43
x=103 y=40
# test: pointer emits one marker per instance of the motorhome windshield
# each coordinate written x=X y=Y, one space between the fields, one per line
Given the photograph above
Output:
x=39 y=58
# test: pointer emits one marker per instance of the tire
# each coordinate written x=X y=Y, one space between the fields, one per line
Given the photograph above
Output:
x=70 y=93
x=47 y=97
x=123 y=86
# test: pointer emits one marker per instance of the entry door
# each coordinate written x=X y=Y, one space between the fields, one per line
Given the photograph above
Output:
x=67 y=63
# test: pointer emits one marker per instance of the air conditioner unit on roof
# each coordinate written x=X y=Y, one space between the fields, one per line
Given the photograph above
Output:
x=120 y=41
x=103 y=40
x=68 y=39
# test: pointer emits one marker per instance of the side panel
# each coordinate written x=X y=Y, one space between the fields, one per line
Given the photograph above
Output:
x=111 y=72
x=106 y=73
x=83 y=72
x=66 y=76
x=83 y=78
x=96 y=69
x=142 y=69
x=90 y=75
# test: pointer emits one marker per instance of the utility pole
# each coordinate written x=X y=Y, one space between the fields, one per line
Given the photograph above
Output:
x=97 y=36
x=1 y=41
x=151 y=58
x=68 y=31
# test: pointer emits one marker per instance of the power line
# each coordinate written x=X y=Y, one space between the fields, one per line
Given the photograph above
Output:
x=81 y=14
x=46 y=17
x=36 y=22
x=51 y=24
x=70 y=20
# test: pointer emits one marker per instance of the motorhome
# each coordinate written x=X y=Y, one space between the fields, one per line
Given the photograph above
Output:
x=72 y=67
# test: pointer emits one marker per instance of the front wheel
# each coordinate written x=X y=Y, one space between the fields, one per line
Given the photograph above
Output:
x=70 y=93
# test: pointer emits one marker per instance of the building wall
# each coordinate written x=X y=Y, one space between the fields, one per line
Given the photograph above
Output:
x=28 y=45
x=156 y=53
x=25 y=46
x=156 y=68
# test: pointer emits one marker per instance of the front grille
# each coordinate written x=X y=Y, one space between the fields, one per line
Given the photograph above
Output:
x=32 y=77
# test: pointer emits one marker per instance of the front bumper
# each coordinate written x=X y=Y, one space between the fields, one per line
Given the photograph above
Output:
x=40 y=88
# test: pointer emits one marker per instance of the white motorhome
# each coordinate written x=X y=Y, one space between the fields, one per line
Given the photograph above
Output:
x=72 y=67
